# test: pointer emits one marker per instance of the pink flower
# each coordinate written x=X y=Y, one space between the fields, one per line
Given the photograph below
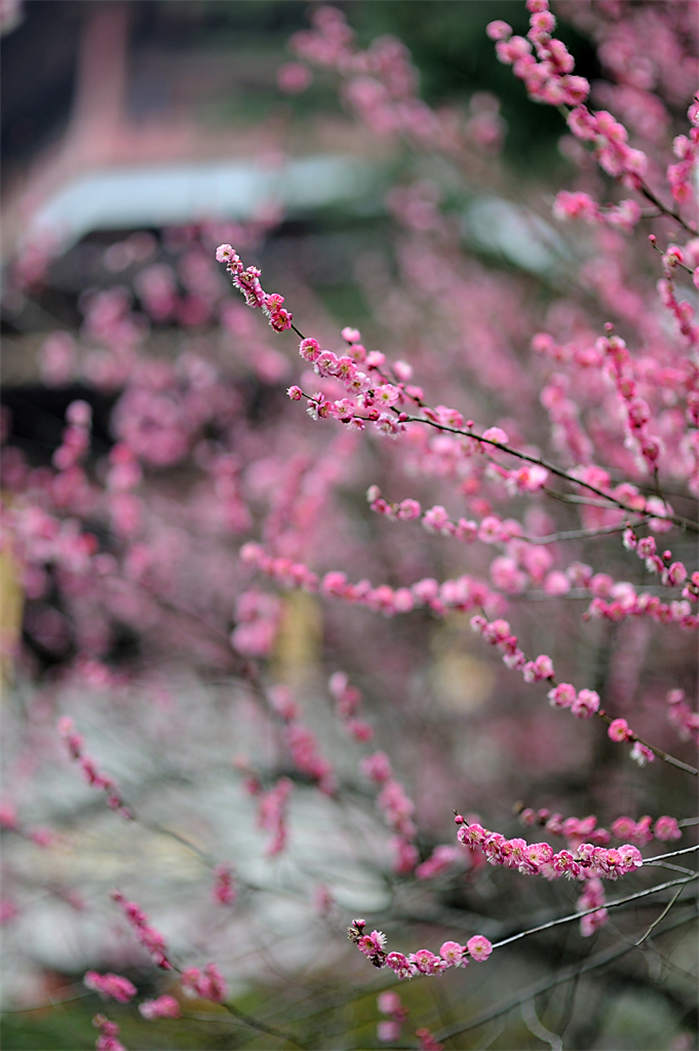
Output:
x=479 y=948
x=585 y=704
x=453 y=953
x=389 y=1002
x=619 y=730
x=224 y=890
x=225 y=254
x=667 y=828
x=400 y=965
x=377 y=767
x=409 y=509
x=592 y=922
x=111 y=985
x=162 y=1007
x=388 y=1031
x=292 y=79
x=207 y=984
x=428 y=1041
x=372 y=944
x=498 y=30
x=641 y=754
x=108 y=1034
x=562 y=696
x=496 y=434
x=426 y=962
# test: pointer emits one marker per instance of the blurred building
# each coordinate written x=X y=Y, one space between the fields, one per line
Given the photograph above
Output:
x=146 y=113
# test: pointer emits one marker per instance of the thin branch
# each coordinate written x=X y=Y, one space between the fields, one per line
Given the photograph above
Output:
x=601 y=960
x=580 y=534
x=586 y=912
x=672 y=854
x=261 y=1027
x=671 y=760
x=680 y=520
x=650 y=196
x=662 y=916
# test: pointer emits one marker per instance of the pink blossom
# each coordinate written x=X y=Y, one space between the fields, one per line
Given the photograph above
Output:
x=666 y=828
x=454 y=953
x=388 y=1031
x=585 y=704
x=427 y=1040
x=389 y=1003
x=110 y=985
x=641 y=754
x=426 y=962
x=400 y=965
x=108 y=1034
x=207 y=984
x=563 y=695
x=619 y=730
x=377 y=767
x=498 y=30
x=292 y=78
x=224 y=889
x=162 y=1007
x=371 y=944
x=479 y=948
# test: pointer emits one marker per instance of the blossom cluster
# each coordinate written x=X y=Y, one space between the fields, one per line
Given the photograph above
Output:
x=247 y=281
x=9 y=819
x=671 y=573
x=423 y=961
x=272 y=812
x=540 y=859
x=121 y=543
x=546 y=66
x=528 y=563
x=74 y=743
x=76 y=436
x=389 y=1003
x=164 y=1006
x=224 y=885
x=111 y=985
x=108 y=1038
x=348 y=703
x=681 y=715
x=592 y=897
x=379 y=85
x=150 y=938
x=301 y=741
x=583 y=703
x=539 y=59
x=625 y=601
x=397 y=808
x=462 y=593
x=580 y=205
x=636 y=409
x=207 y=984
x=676 y=257
x=578 y=830
x=685 y=148
x=393 y=801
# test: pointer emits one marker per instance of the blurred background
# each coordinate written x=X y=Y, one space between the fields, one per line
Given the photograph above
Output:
x=136 y=137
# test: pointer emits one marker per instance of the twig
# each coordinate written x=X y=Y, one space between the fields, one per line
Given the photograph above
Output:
x=601 y=960
x=586 y=912
x=662 y=915
x=672 y=854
